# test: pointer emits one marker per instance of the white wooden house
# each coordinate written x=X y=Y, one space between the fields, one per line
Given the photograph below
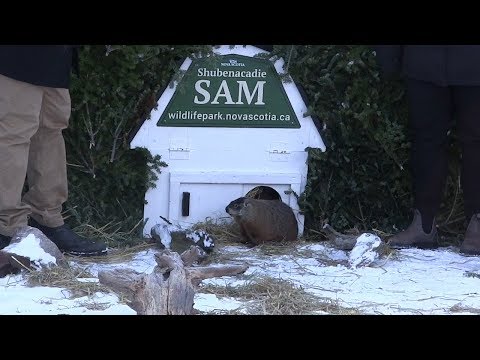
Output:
x=230 y=125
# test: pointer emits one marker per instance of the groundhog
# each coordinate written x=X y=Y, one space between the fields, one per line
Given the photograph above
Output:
x=263 y=221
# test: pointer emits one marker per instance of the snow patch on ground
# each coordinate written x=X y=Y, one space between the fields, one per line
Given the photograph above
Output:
x=30 y=247
x=411 y=281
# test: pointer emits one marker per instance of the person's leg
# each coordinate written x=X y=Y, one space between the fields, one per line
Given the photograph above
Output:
x=467 y=103
x=47 y=166
x=20 y=105
x=430 y=118
x=47 y=176
x=431 y=113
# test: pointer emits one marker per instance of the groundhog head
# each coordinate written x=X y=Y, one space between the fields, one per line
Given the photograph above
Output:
x=236 y=206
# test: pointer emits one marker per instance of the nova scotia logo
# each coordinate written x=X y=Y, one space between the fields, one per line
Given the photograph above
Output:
x=232 y=62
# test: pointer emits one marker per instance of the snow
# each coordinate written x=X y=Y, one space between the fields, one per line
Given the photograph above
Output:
x=164 y=233
x=363 y=253
x=415 y=282
x=201 y=235
x=17 y=298
x=410 y=281
x=30 y=247
x=142 y=262
x=210 y=303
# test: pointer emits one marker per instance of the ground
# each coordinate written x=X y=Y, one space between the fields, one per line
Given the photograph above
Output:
x=304 y=278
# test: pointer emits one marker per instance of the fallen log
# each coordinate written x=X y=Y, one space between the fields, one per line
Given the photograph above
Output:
x=170 y=288
x=338 y=240
x=364 y=249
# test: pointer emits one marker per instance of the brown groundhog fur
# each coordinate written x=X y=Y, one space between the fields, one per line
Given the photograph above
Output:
x=263 y=221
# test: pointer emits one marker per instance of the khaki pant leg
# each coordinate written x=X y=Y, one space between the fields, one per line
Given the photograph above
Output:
x=47 y=167
x=20 y=106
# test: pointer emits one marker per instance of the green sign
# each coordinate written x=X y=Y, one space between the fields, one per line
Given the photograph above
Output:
x=230 y=91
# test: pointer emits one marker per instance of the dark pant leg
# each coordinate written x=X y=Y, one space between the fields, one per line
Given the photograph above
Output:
x=430 y=113
x=467 y=107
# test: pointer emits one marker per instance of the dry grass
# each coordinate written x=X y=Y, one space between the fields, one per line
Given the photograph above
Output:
x=66 y=277
x=116 y=255
x=126 y=246
x=223 y=232
x=285 y=248
x=269 y=296
x=110 y=234
x=94 y=305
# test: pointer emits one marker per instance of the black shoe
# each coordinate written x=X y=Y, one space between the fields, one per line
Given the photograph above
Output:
x=4 y=241
x=69 y=242
x=414 y=236
x=471 y=242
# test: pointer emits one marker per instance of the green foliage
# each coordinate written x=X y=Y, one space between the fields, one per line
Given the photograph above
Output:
x=117 y=88
x=363 y=179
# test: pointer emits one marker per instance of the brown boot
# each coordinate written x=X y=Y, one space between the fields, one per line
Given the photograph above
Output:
x=471 y=243
x=414 y=236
